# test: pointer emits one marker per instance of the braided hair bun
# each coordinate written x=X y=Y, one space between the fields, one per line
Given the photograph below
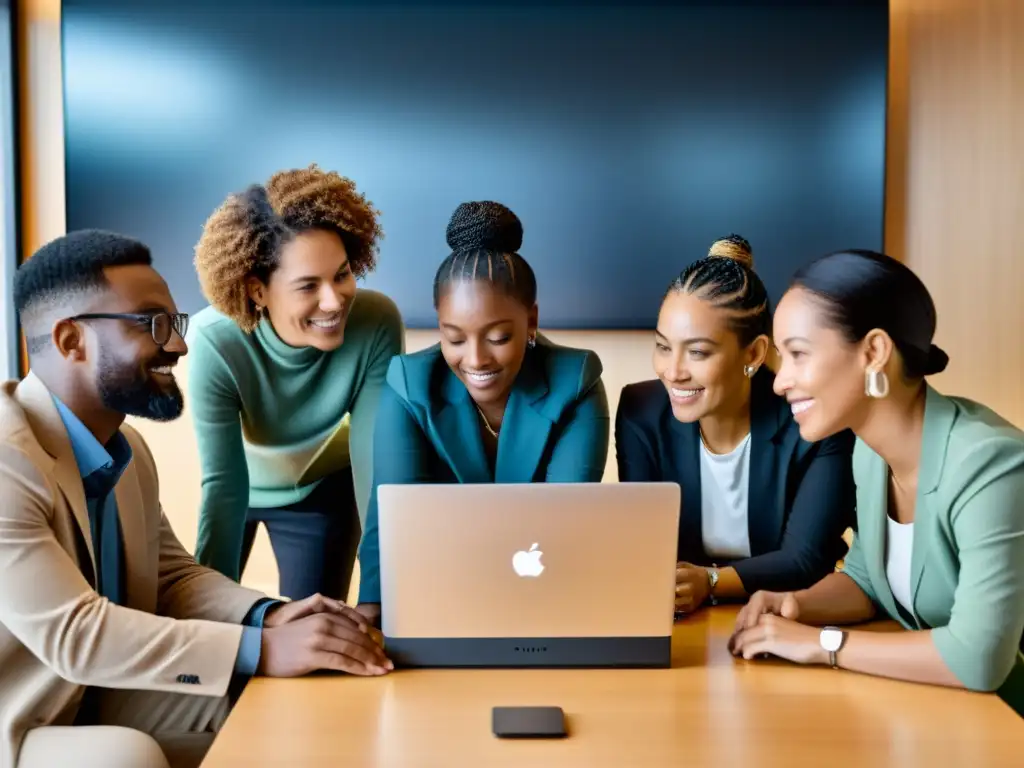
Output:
x=485 y=226
x=733 y=247
x=726 y=279
x=485 y=238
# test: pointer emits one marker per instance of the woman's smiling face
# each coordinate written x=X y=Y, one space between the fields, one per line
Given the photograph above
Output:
x=484 y=334
x=821 y=373
x=309 y=296
x=698 y=357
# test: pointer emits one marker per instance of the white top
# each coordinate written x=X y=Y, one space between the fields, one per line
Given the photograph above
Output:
x=898 y=546
x=724 y=482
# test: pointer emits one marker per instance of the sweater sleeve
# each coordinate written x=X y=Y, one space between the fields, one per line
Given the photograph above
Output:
x=224 y=474
x=388 y=341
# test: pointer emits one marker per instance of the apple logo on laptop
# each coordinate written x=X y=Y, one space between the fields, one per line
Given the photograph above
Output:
x=527 y=563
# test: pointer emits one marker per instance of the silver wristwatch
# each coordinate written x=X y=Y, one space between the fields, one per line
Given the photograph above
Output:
x=832 y=639
x=712 y=583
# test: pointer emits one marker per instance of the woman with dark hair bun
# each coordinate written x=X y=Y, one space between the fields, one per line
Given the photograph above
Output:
x=490 y=382
x=940 y=522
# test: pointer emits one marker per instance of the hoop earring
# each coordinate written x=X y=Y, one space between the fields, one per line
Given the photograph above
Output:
x=876 y=384
x=749 y=371
x=531 y=342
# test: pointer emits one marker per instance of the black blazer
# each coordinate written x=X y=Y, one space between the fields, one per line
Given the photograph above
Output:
x=802 y=495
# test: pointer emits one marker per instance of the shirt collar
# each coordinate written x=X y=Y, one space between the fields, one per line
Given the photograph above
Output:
x=90 y=455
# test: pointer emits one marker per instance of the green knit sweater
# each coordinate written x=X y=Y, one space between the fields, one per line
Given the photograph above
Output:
x=264 y=410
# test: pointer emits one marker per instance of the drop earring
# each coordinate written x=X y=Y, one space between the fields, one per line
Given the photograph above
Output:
x=876 y=384
x=531 y=342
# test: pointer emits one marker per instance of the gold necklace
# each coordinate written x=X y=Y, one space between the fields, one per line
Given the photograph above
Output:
x=487 y=426
x=704 y=442
x=709 y=449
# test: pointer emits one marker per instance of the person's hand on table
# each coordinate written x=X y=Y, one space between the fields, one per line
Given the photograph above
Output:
x=320 y=641
x=769 y=625
x=776 y=636
x=782 y=604
x=287 y=612
x=319 y=633
x=692 y=587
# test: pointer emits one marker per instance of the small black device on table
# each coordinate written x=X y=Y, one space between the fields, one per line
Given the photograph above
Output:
x=528 y=722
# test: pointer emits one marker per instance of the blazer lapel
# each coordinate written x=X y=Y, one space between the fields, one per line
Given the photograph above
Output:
x=769 y=464
x=53 y=437
x=70 y=482
x=686 y=447
x=525 y=429
x=458 y=426
x=939 y=414
x=139 y=589
x=873 y=494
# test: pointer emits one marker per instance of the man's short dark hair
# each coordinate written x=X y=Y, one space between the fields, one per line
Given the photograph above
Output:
x=71 y=265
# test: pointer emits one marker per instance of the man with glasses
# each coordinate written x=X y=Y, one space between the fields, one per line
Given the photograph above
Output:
x=116 y=648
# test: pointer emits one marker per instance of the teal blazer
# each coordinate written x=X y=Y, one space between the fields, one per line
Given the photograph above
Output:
x=555 y=429
x=967 y=561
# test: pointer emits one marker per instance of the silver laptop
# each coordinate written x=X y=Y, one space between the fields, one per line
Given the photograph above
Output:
x=539 y=574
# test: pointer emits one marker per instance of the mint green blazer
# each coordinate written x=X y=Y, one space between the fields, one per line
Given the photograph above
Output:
x=967 y=561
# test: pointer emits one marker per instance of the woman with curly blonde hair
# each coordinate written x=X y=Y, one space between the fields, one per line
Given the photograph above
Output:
x=286 y=368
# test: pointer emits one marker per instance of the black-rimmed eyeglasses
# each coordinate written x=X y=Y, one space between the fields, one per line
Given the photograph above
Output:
x=161 y=324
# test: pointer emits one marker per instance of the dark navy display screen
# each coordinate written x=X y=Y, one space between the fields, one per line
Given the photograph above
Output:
x=626 y=138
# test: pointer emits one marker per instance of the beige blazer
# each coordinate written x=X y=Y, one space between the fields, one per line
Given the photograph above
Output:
x=180 y=630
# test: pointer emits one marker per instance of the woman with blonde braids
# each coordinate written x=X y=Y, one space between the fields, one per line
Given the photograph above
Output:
x=761 y=508
x=491 y=382
x=285 y=370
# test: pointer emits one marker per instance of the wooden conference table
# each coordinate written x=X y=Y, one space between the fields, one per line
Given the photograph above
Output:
x=709 y=709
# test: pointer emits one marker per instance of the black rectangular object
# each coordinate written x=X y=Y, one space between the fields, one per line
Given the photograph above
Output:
x=494 y=652
x=528 y=722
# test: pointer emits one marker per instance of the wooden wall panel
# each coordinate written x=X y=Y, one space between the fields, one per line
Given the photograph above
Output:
x=41 y=126
x=955 y=187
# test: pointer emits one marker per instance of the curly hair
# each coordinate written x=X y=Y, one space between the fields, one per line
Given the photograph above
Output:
x=244 y=236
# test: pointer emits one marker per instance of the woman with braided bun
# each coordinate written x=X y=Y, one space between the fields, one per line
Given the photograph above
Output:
x=490 y=381
x=286 y=368
x=761 y=508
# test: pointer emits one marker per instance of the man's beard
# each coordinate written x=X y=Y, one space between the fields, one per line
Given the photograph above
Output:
x=129 y=390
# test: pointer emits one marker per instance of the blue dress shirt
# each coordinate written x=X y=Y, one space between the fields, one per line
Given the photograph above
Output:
x=101 y=468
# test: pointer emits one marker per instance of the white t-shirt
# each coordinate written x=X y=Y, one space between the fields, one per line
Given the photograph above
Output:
x=724 y=484
x=898 y=546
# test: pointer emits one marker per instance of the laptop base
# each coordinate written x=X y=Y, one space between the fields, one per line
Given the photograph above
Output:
x=564 y=652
